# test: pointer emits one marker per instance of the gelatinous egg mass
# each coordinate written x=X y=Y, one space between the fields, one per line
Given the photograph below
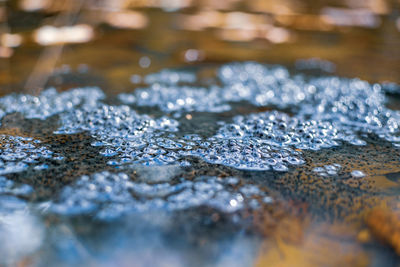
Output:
x=109 y=195
x=149 y=126
x=19 y=153
x=48 y=103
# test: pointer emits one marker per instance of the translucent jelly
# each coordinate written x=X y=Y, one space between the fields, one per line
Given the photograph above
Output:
x=110 y=195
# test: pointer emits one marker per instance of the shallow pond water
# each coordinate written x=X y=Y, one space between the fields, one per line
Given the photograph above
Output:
x=200 y=134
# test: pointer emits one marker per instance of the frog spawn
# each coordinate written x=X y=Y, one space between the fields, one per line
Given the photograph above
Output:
x=172 y=98
x=255 y=83
x=255 y=142
x=280 y=130
x=9 y=187
x=110 y=195
x=134 y=138
x=18 y=153
x=243 y=154
x=352 y=106
x=21 y=229
x=328 y=170
x=105 y=121
x=49 y=102
x=170 y=77
x=328 y=110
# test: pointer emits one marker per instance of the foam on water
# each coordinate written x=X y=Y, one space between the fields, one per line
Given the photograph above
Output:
x=111 y=195
x=18 y=153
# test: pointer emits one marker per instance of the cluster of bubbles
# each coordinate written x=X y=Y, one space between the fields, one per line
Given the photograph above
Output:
x=49 y=102
x=108 y=195
x=18 y=153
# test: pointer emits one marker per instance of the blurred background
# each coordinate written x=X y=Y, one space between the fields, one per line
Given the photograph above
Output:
x=112 y=43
